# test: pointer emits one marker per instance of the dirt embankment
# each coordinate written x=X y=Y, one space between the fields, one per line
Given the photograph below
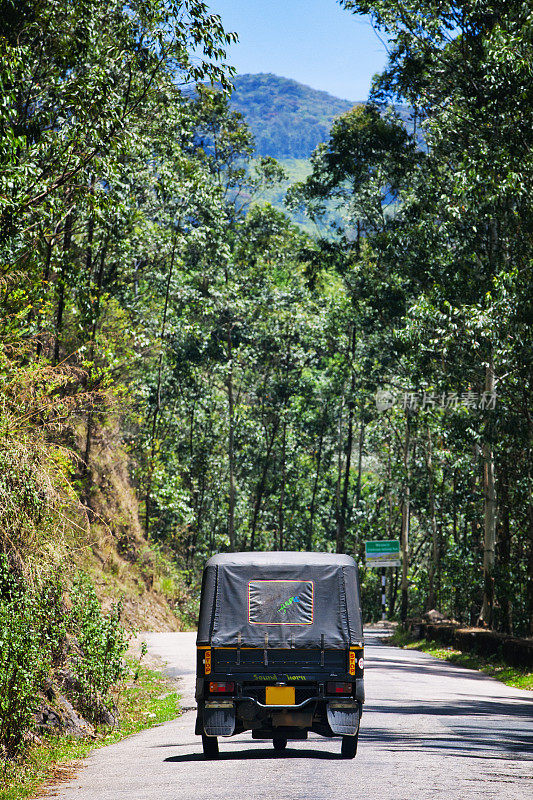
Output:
x=124 y=568
x=121 y=562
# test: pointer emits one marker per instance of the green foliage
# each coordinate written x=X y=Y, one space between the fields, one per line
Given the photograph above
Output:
x=100 y=646
x=453 y=254
x=145 y=700
x=34 y=630
x=288 y=121
x=24 y=659
x=360 y=171
x=296 y=170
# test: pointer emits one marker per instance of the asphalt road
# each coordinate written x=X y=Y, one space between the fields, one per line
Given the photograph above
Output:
x=429 y=730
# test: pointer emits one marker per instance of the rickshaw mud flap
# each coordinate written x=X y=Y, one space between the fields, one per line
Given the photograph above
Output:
x=343 y=719
x=219 y=719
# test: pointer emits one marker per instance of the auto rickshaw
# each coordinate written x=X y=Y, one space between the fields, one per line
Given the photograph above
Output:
x=280 y=648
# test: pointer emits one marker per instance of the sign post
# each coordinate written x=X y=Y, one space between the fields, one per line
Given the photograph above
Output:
x=383 y=554
x=383 y=593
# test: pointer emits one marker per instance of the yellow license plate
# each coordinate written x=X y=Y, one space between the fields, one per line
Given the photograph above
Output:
x=280 y=695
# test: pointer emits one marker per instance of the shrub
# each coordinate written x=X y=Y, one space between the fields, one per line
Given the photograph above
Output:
x=34 y=627
x=101 y=642
x=24 y=659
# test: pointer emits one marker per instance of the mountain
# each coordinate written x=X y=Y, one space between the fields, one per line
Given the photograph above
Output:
x=287 y=118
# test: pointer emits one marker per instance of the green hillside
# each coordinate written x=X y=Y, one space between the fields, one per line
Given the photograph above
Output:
x=287 y=118
x=297 y=169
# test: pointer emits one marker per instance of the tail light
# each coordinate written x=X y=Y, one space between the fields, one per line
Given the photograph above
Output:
x=215 y=686
x=338 y=688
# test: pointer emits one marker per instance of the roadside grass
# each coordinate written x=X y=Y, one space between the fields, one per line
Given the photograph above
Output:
x=495 y=668
x=145 y=699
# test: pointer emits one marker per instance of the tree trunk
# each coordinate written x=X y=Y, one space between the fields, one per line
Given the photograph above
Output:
x=61 y=284
x=231 y=442
x=504 y=552
x=89 y=249
x=431 y=600
x=393 y=591
x=200 y=496
x=341 y=527
x=315 y=484
x=454 y=506
x=360 y=463
x=283 y=480
x=529 y=541
x=489 y=498
x=339 y=475
x=404 y=537
x=343 y=510
x=389 y=490
x=148 y=495
x=261 y=485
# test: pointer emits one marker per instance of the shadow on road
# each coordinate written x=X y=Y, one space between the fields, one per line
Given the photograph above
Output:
x=270 y=755
x=515 y=707
x=461 y=742
x=472 y=725
x=442 y=668
x=491 y=727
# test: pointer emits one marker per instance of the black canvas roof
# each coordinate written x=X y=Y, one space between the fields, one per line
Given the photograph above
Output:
x=280 y=557
x=281 y=599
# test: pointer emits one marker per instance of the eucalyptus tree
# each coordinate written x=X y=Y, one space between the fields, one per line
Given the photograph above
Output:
x=362 y=168
x=195 y=299
x=98 y=194
x=466 y=70
x=77 y=79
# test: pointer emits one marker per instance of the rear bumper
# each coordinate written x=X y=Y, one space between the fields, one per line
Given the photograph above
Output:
x=325 y=715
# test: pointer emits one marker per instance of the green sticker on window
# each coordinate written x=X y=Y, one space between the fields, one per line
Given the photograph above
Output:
x=280 y=602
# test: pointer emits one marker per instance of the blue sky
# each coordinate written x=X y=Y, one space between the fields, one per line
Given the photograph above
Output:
x=313 y=41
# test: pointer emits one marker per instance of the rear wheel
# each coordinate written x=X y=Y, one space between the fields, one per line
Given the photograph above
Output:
x=349 y=746
x=279 y=742
x=210 y=746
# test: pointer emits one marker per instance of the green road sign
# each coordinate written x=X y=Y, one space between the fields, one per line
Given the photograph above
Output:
x=391 y=547
x=382 y=553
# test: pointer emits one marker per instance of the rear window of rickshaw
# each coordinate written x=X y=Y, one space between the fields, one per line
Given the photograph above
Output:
x=280 y=602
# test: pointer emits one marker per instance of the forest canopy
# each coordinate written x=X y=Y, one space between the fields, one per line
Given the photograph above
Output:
x=151 y=304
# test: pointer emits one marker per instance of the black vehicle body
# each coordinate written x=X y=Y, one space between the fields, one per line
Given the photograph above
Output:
x=280 y=648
